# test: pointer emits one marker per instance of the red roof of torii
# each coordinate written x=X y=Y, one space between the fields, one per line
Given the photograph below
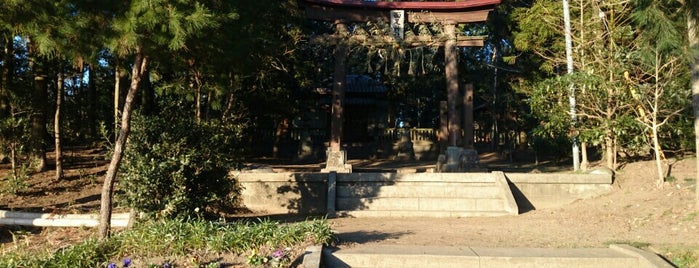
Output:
x=430 y=5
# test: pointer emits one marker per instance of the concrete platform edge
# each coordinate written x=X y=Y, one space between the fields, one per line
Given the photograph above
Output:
x=520 y=257
x=312 y=257
x=645 y=258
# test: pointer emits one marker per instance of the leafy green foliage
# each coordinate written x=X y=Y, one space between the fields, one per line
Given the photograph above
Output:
x=16 y=137
x=14 y=134
x=175 y=238
x=539 y=31
x=628 y=71
x=159 y=24
x=174 y=166
x=17 y=182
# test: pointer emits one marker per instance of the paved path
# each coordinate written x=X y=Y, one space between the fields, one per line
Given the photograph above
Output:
x=506 y=241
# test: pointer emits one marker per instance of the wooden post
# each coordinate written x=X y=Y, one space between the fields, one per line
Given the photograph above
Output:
x=452 y=77
x=468 y=116
x=336 y=158
x=443 y=126
x=332 y=193
x=338 y=92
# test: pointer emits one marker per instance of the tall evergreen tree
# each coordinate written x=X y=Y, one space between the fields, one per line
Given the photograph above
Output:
x=656 y=82
x=142 y=29
x=693 y=35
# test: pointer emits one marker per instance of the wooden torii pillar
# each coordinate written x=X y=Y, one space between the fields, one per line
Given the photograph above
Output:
x=451 y=71
x=449 y=13
x=336 y=158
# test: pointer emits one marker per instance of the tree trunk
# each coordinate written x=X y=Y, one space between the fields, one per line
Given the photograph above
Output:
x=584 y=164
x=117 y=94
x=198 y=104
x=13 y=160
x=693 y=33
x=91 y=102
x=6 y=109
x=7 y=66
x=657 y=150
x=147 y=95
x=609 y=148
x=79 y=120
x=615 y=152
x=658 y=160
x=195 y=82
x=139 y=67
x=280 y=131
x=57 y=126
x=226 y=115
x=39 y=103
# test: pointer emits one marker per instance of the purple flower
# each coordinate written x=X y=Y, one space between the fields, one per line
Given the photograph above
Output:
x=127 y=262
x=166 y=264
x=278 y=254
x=111 y=265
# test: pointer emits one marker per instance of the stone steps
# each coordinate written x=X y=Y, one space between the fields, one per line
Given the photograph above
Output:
x=406 y=190
x=428 y=195
x=421 y=204
x=431 y=214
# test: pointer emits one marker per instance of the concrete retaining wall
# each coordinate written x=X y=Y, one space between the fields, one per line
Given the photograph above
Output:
x=307 y=193
x=284 y=193
x=546 y=190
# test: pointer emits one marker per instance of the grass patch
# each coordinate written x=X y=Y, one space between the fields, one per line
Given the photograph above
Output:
x=683 y=258
x=167 y=240
x=636 y=244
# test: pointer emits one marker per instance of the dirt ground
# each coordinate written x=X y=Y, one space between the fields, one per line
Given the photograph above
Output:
x=635 y=212
x=662 y=220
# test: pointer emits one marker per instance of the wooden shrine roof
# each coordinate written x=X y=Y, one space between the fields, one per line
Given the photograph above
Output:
x=423 y=6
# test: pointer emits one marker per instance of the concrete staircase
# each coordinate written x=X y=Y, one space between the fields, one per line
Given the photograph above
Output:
x=431 y=256
x=424 y=195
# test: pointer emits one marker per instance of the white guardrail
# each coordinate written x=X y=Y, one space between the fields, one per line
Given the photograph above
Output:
x=59 y=220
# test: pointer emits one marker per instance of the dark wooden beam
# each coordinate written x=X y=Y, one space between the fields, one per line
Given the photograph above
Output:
x=421 y=5
x=410 y=41
x=440 y=17
x=331 y=13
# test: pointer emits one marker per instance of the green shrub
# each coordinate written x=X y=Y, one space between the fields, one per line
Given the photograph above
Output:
x=16 y=141
x=16 y=183
x=175 y=167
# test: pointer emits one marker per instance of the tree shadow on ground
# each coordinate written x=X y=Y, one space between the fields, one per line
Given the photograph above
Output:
x=247 y=216
x=15 y=234
x=367 y=236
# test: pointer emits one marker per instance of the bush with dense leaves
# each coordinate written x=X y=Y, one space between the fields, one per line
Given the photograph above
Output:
x=175 y=167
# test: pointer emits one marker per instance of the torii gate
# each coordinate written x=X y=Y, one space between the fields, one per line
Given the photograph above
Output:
x=448 y=13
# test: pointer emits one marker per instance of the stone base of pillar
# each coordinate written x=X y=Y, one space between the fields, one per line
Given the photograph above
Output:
x=457 y=159
x=336 y=161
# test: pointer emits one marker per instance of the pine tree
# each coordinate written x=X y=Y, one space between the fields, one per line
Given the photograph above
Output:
x=693 y=36
x=656 y=72
x=144 y=29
